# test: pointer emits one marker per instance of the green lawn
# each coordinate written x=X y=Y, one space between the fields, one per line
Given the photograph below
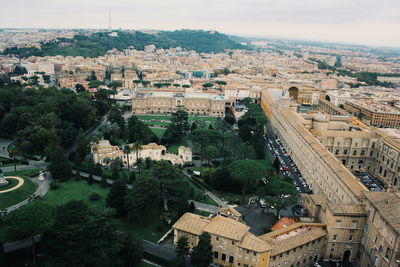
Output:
x=11 y=183
x=203 y=118
x=149 y=227
x=76 y=190
x=159 y=132
x=199 y=194
x=174 y=147
x=30 y=172
x=13 y=197
x=230 y=197
x=266 y=161
x=202 y=213
x=168 y=118
x=157 y=123
x=154 y=117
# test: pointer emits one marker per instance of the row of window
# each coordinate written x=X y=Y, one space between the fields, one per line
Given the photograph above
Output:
x=345 y=151
x=310 y=259
x=356 y=144
x=295 y=249
x=223 y=257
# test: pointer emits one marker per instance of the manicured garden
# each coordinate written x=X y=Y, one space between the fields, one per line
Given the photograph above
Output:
x=28 y=172
x=150 y=227
x=13 y=197
x=159 y=132
x=174 y=147
x=76 y=190
x=168 y=118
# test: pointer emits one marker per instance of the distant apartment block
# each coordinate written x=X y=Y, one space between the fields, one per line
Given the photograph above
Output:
x=375 y=114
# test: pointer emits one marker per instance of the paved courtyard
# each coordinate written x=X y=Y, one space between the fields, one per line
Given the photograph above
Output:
x=256 y=219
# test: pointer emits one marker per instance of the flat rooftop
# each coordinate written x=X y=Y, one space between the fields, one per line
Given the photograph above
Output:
x=374 y=106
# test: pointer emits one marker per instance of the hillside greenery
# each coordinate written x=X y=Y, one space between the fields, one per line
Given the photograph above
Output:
x=39 y=119
x=99 y=43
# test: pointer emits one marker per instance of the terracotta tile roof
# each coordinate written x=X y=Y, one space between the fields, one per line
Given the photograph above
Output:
x=223 y=227
x=388 y=206
x=191 y=223
x=283 y=223
x=152 y=146
x=252 y=242
x=293 y=236
x=226 y=227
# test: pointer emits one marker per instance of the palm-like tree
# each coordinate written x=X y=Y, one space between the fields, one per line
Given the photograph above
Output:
x=136 y=148
x=148 y=162
x=139 y=163
x=127 y=150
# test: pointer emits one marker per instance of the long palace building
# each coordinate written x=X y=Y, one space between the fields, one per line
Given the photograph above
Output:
x=363 y=226
x=343 y=220
x=156 y=102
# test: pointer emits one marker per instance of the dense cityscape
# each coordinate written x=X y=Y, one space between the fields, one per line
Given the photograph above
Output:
x=123 y=147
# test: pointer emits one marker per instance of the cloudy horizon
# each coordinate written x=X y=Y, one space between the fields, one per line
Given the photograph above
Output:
x=367 y=22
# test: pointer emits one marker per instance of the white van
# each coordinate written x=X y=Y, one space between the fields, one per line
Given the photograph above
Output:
x=263 y=203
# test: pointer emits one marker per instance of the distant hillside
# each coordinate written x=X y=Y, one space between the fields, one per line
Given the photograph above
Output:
x=98 y=44
x=239 y=39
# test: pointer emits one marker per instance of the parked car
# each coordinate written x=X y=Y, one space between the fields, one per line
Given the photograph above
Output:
x=263 y=203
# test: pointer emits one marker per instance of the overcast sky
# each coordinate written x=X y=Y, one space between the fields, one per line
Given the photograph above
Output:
x=370 y=22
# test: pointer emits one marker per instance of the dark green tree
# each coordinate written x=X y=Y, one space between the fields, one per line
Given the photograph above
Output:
x=81 y=237
x=139 y=164
x=179 y=126
x=59 y=166
x=278 y=193
x=276 y=164
x=182 y=247
x=90 y=179
x=260 y=148
x=201 y=255
x=144 y=195
x=115 y=116
x=248 y=173
x=116 y=197
x=103 y=181
x=79 y=88
x=210 y=153
x=30 y=220
x=82 y=147
x=193 y=127
x=130 y=252
x=132 y=178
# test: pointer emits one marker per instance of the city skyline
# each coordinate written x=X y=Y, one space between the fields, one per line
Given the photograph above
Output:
x=352 y=22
